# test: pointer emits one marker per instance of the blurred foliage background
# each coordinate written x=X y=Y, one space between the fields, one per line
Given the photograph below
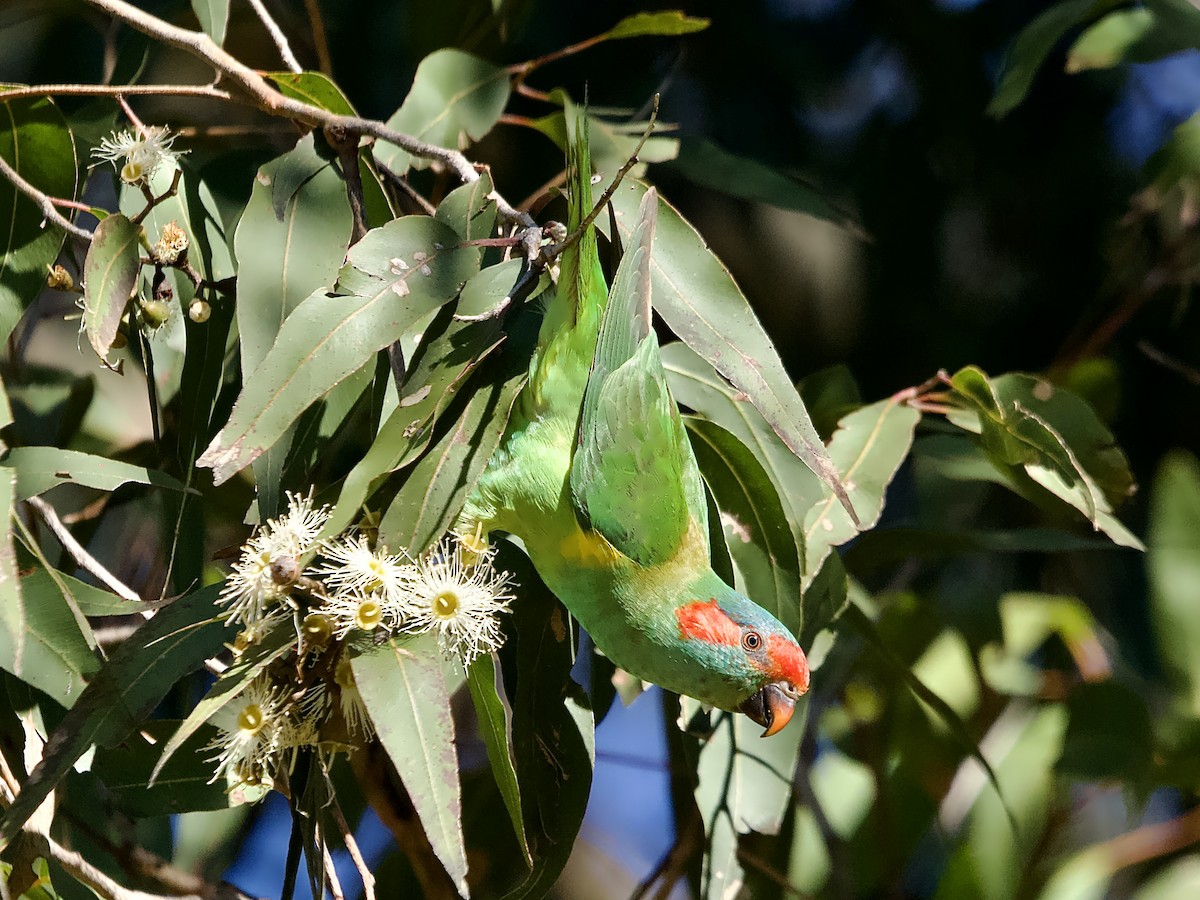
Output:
x=1054 y=238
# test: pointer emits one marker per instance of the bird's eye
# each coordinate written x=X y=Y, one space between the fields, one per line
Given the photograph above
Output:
x=752 y=640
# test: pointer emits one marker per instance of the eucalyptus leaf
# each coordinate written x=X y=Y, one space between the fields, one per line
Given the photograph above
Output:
x=329 y=337
x=698 y=299
x=185 y=784
x=38 y=469
x=214 y=18
x=456 y=98
x=36 y=142
x=1106 y=42
x=766 y=565
x=404 y=690
x=667 y=22
x=110 y=272
x=134 y=680
x=314 y=88
x=470 y=209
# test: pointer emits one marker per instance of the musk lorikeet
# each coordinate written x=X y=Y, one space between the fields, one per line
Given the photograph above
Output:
x=596 y=476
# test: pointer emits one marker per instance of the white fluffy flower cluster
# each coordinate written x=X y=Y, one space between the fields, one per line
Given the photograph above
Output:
x=137 y=155
x=336 y=593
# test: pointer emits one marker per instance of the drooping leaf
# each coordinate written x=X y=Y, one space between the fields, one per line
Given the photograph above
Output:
x=868 y=448
x=437 y=487
x=707 y=164
x=455 y=99
x=36 y=142
x=138 y=674
x=38 y=469
x=290 y=241
x=1173 y=562
x=213 y=16
x=87 y=598
x=553 y=730
x=233 y=681
x=766 y=565
x=443 y=366
x=185 y=784
x=667 y=22
x=1031 y=47
x=399 y=274
x=470 y=209
x=698 y=299
x=110 y=272
x=695 y=384
x=1046 y=434
x=41 y=640
x=404 y=690
x=495 y=716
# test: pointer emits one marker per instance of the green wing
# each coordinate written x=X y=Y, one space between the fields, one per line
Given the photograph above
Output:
x=633 y=478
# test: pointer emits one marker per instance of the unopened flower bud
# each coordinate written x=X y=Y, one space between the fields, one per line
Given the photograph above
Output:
x=285 y=570
x=155 y=312
x=199 y=311
x=317 y=629
x=120 y=339
x=60 y=279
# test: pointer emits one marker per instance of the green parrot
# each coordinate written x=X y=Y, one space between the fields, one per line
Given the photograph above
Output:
x=595 y=475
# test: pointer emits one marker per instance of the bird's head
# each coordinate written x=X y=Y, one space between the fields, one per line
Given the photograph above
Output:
x=755 y=652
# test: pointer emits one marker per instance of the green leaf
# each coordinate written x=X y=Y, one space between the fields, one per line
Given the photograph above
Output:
x=314 y=88
x=214 y=17
x=456 y=98
x=612 y=144
x=1031 y=47
x=38 y=469
x=400 y=273
x=138 y=674
x=766 y=565
x=41 y=640
x=443 y=366
x=470 y=209
x=495 y=726
x=703 y=162
x=698 y=299
x=185 y=784
x=404 y=690
x=87 y=598
x=1179 y=880
x=868 y=448
x=1106 y=42
x=437 y=487
x=110 y=272
x=232 y=682
x=36 y=142
x=695 y=384
x=553 y=731
x=856 y=619
x=1052 y=438
x=1173 y=565
x=667 y=22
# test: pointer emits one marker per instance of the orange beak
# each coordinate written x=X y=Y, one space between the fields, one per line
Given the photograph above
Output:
x=771 y=707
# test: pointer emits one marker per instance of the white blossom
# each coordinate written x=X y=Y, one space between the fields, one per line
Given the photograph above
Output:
x=137 y=156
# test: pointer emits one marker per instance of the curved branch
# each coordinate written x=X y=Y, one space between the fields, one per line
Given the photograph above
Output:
x=44 y=203
x=277 y=35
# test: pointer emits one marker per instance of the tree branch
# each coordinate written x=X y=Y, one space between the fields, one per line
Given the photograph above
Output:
x=44 y=203
x=78 y=553
x=120 y=90
x=277 y=35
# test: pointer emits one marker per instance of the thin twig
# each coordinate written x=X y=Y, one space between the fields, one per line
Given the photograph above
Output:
x=346 y=147
x=87 y=874
x=119 y=90
x=84 y=559
x=320 y=41
x=277 y=35
x=43 y=202
x=364 y=871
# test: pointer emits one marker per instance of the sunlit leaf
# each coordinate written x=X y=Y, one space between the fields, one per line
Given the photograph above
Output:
x=698 y=299
x=314 y=88
x=1105 y=43
x=495 y=726
x=666 y=22
x=110 y=272
x=404 y=690
x=398 y=274
x=455 y=99
x=38 y=469
x=213 y=16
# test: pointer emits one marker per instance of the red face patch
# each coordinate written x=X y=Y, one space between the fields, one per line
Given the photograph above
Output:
x=704 y=620
x=788 y=662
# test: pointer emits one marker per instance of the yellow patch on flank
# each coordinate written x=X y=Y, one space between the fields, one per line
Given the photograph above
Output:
x=588 y=549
